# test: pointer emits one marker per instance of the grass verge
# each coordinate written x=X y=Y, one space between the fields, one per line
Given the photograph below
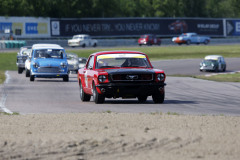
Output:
x=2 y=77
x=231 y=77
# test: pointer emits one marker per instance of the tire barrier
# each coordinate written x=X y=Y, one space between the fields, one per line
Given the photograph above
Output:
x=11 y=44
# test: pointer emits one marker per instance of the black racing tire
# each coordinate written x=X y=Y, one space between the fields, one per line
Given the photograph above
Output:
x=179 y=44
x=66 y=78
x=95 y=45
x=216 y=69
x=188 y=42
x=84 y=45
x=97 y=98
x=32 y=78
x=83 y=96
x=158 y=97
x=206 y=42
x=27 y=73
x=224 y=69
x=142 y=99
x=20 y=70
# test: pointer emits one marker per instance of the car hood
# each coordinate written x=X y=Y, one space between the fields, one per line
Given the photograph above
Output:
x=49 y=62
x=130 y=71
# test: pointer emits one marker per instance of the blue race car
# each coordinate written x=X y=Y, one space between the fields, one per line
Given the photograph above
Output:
x=189 y=38
x=48 y=61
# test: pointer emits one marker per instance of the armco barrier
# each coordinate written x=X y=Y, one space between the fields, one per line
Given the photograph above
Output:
x=11 y=44
x=112 y=42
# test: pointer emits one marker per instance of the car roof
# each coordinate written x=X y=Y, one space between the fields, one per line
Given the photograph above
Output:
x=189 y=33
x=214 y=57
x=81 y=35
x=117 y=52
x=46 y=46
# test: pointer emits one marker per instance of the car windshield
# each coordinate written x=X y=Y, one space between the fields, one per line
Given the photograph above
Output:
x=144 y=36
x=77 y=37
x=122 y=60
x=71 y=57
x=49 y=53
x=82 y=60
x=26 y=52
x=209 y=61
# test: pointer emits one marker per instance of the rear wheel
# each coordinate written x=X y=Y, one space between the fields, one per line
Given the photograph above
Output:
x=159 y=97
x=84 y=45
x=83 y=95
x=188 y=42
x=97 y=98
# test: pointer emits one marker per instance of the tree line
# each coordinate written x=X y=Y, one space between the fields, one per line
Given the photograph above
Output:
x=121 y=8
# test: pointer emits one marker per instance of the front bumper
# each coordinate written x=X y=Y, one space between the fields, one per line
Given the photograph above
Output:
x=21 y=65
x=207 y=68
x=49 y=75
x=130 y=90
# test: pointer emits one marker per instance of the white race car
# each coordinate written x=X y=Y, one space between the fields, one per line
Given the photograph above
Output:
x=82 y=40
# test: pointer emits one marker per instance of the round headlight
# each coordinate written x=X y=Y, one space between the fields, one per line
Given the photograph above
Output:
x=35 y=65
x=102 y=78
x=63 y=65
x=160 y=77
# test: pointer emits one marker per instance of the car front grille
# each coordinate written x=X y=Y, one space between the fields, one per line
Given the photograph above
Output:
x=132 y=77
x=49 y=69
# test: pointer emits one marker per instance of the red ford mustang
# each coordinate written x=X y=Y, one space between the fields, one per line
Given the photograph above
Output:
x=126 y=74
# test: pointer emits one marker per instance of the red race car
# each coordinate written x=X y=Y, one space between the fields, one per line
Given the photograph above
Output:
x=149 y=39
x=126 y=74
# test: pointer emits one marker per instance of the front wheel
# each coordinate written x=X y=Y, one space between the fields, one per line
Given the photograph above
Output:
x=32 y=78
x=159 y=97
x=83 y=95
x=206 y=42
x=27 y=73
x=66 y=78
x=188 y=42
x=97 y=98
x=20 y=70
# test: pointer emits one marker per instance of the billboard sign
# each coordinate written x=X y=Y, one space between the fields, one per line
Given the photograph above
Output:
x=233 y=27
x=135 y=26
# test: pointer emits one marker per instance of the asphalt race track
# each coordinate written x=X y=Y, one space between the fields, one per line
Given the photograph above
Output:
x=183 y=95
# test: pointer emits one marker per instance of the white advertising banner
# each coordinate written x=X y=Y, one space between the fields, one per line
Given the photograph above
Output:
x=25 y=27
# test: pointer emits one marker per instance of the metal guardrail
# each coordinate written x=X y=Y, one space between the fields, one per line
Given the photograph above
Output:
x=108 y=42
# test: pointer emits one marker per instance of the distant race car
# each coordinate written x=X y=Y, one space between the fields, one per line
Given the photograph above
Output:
x=126 y=74
x=213 y=63
x=190 y=38
x=73 y=64
x=149 y=39
x=22 y=57
x=82 y=62
x=82 y=40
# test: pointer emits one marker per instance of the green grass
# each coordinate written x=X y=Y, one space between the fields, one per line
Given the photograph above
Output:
x=8 y=59
x=173 y=52
x=231 y=77
x=2 y=77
